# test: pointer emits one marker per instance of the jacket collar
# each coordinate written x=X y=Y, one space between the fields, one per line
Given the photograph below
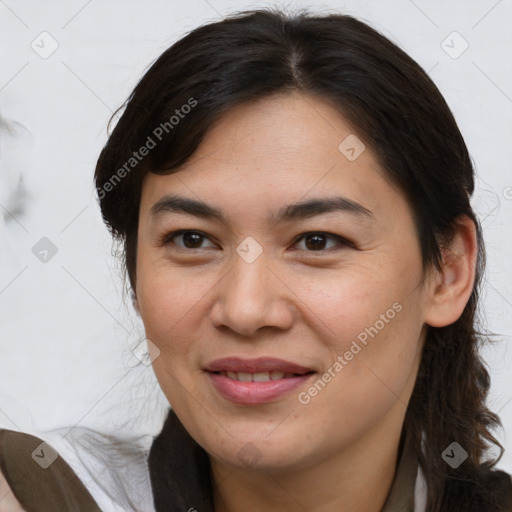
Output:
x=179 y=470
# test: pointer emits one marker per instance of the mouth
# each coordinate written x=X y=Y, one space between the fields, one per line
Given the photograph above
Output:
x=255 y=381
x=257 y=377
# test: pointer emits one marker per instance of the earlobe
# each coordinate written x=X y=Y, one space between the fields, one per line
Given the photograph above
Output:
x=452 y=287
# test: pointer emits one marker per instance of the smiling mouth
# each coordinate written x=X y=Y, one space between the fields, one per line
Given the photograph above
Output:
x=259 y=381
x=259 y=376
x=258 y=388
x=257 y=366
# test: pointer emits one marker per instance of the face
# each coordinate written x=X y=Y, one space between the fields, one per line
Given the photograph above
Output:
x=286 y=334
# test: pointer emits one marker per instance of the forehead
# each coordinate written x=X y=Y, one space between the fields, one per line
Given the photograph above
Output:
x=275 y=151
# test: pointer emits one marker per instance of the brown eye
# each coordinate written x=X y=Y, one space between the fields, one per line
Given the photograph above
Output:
x=314 y=242
x=317 y=241
x=190 y=239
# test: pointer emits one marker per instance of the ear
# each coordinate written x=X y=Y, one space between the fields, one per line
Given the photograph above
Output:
x=449 y=290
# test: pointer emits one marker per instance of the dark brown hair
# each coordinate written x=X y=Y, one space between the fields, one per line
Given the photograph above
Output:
x=397 y=110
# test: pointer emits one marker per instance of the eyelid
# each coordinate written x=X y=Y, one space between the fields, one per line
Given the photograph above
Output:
x=338 y=238
x=166 y=238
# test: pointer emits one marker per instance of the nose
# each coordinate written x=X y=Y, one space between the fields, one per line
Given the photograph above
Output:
x=252 y=296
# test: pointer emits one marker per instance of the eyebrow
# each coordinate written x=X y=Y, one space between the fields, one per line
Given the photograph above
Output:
x=294 y=211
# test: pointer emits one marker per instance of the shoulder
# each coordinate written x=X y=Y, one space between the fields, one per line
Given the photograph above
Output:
x=80 y=464
x=38 y=478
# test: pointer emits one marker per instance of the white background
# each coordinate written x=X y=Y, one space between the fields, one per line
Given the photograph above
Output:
x=66 y=332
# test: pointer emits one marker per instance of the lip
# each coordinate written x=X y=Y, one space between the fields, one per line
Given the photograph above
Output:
x=260 y=364
x=254 y=393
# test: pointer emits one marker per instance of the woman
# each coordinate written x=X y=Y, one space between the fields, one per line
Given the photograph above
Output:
x=292 y=194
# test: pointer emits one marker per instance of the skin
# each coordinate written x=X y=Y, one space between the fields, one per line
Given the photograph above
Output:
x=8 y=502
x=294 y=302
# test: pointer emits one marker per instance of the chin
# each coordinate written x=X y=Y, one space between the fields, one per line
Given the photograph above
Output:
x=252 y=456
x=258 y=452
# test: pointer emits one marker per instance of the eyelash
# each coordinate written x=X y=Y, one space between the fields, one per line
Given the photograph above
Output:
x=166 y=239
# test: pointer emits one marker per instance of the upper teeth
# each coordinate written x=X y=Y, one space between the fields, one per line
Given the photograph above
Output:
x=256 y=377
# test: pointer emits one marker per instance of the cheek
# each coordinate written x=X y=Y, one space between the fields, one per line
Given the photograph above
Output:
x=167 y=303
x=372 y=360
x=350 y=301
x=164 y=297
x=170 y=303
x=372 y=326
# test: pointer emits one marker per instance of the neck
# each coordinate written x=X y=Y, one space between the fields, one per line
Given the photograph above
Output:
x=358 y=478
